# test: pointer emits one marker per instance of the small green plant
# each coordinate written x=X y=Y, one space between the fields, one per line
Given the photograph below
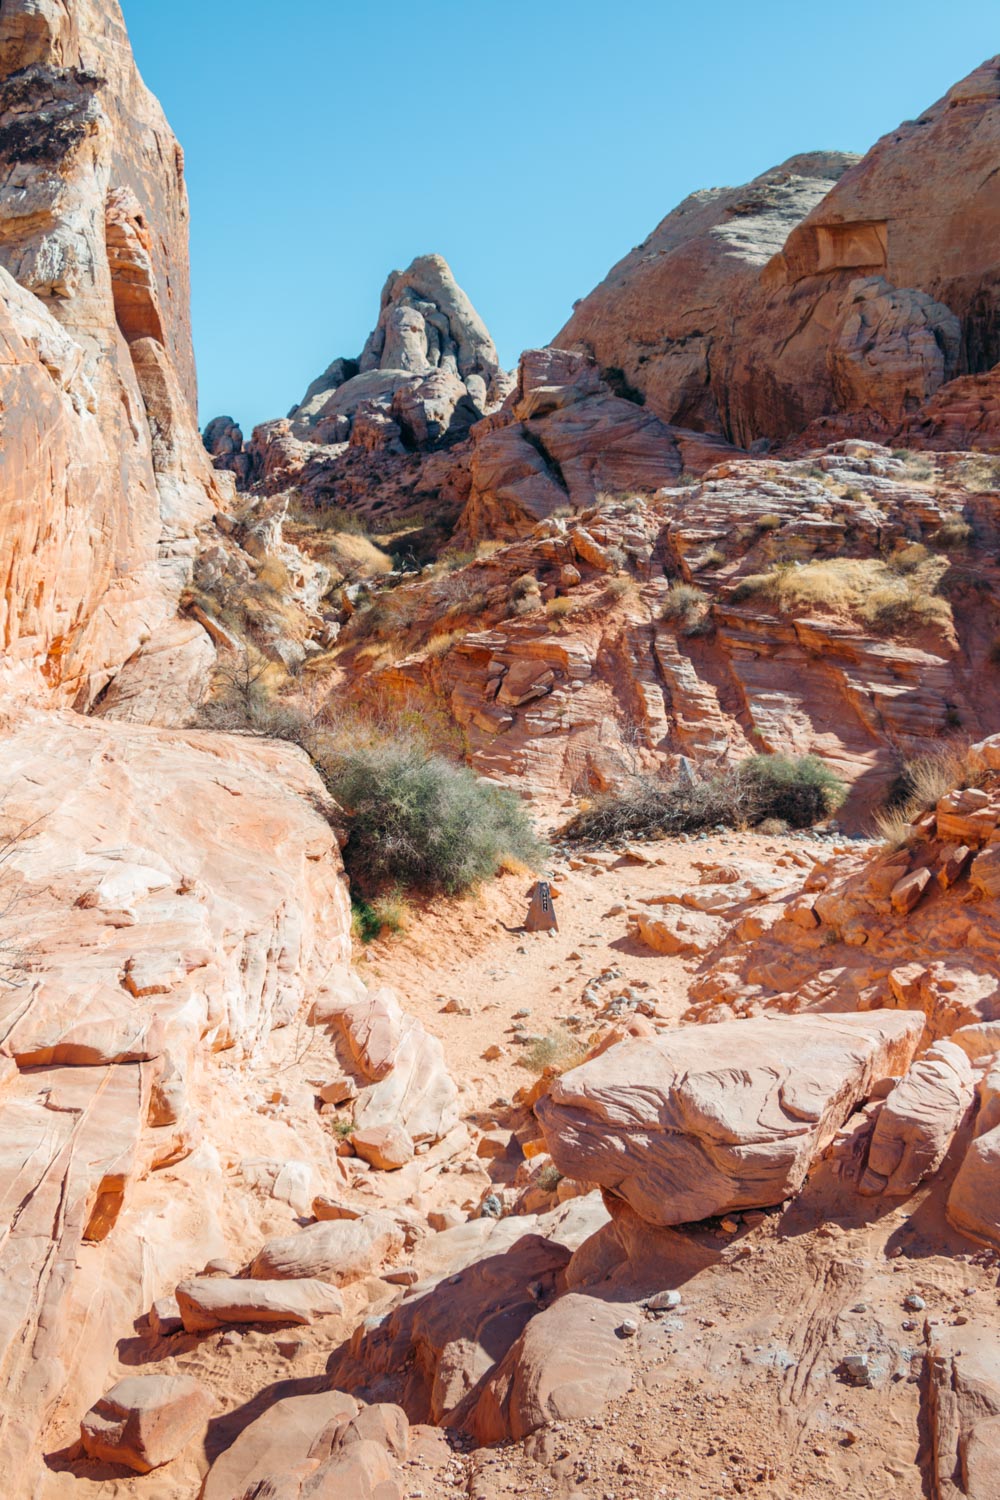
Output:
x=372 y=919
x=343 y=1129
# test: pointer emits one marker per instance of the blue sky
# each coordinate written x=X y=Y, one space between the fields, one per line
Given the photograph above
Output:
x=532 y=144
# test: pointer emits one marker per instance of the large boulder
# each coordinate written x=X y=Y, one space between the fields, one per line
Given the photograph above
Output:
x=705 y=1120
x=208 y=1302
x=338 y=1250
x=568 y=1364
x=145 y=1420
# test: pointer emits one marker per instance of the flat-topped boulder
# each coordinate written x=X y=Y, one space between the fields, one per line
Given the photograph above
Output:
x=709 y=1119
x=208 y=1302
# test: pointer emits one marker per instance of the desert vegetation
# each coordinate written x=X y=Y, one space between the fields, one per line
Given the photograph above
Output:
x=797 y=791
x=891 y=597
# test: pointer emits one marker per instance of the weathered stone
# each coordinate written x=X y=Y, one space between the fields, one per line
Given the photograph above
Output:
x=338 y=1251
x=212 y=1302
x=917 y=1122
x=146 y=1420
x=702 y=1121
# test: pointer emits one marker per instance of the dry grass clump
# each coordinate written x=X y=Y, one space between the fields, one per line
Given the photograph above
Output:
x=979 y=473
x=768 y=522
x=440 y=644
x=952 y=534
x=686 y=606
x=525 y=595
x=886 y=597
x=917 y=465
x=920 y=786
x=562 y=605
x=559 y=1050
x=619 y=585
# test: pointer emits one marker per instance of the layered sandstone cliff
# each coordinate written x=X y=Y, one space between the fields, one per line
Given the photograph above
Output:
x=825 y=286
x=104 y=479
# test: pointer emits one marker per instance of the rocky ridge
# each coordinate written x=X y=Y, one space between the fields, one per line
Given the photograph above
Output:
x=272 y=1232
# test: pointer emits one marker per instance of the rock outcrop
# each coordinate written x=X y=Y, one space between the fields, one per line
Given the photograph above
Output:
x=826 y=286
x=701 y=1122
x=662 y=313
x=105 y=479
x=429 y=369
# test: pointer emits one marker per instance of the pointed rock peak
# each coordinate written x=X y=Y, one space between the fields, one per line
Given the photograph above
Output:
x=429 y=366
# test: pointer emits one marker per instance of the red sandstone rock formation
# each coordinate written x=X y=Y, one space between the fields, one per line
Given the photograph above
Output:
x=104 y=478
x=860 y=291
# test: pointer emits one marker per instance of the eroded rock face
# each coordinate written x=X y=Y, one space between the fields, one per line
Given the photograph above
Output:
x=177 y=894
x=703 y=1121
x=918 y=1122
x=429 y=369
x=829 y=285
x=105 y=479
x=675 y=292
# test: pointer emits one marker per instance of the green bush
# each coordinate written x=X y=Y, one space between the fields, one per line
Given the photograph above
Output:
x=801 y=791
x=419 y=823
x=764 y=788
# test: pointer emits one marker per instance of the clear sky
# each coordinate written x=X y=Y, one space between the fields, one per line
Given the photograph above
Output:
x=530 y=142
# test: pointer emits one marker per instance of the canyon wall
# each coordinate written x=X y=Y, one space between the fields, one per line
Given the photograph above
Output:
x=104 y=477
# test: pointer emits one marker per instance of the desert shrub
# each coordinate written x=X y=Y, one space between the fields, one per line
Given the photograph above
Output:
x=417 y=822
x=245 y=700
x=686 y=606
x=562 y=605
x=980 y=472
x=619 y=585
x=523 y=586
x=920 y=785
x=559 y=1049
x=768 y=522
x=798 y=791
x=713 y=558
x=952 y=534
x=549 y=1178
x=918 y=465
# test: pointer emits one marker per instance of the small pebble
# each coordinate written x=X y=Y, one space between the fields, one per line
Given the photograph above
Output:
x=914 y=1302
x=629 y=1328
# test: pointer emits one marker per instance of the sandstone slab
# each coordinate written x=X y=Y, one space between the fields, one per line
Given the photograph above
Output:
x=706 y=1120
x=216 y=1301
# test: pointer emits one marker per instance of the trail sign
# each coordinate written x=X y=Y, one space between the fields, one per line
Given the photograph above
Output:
x=541 y=913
